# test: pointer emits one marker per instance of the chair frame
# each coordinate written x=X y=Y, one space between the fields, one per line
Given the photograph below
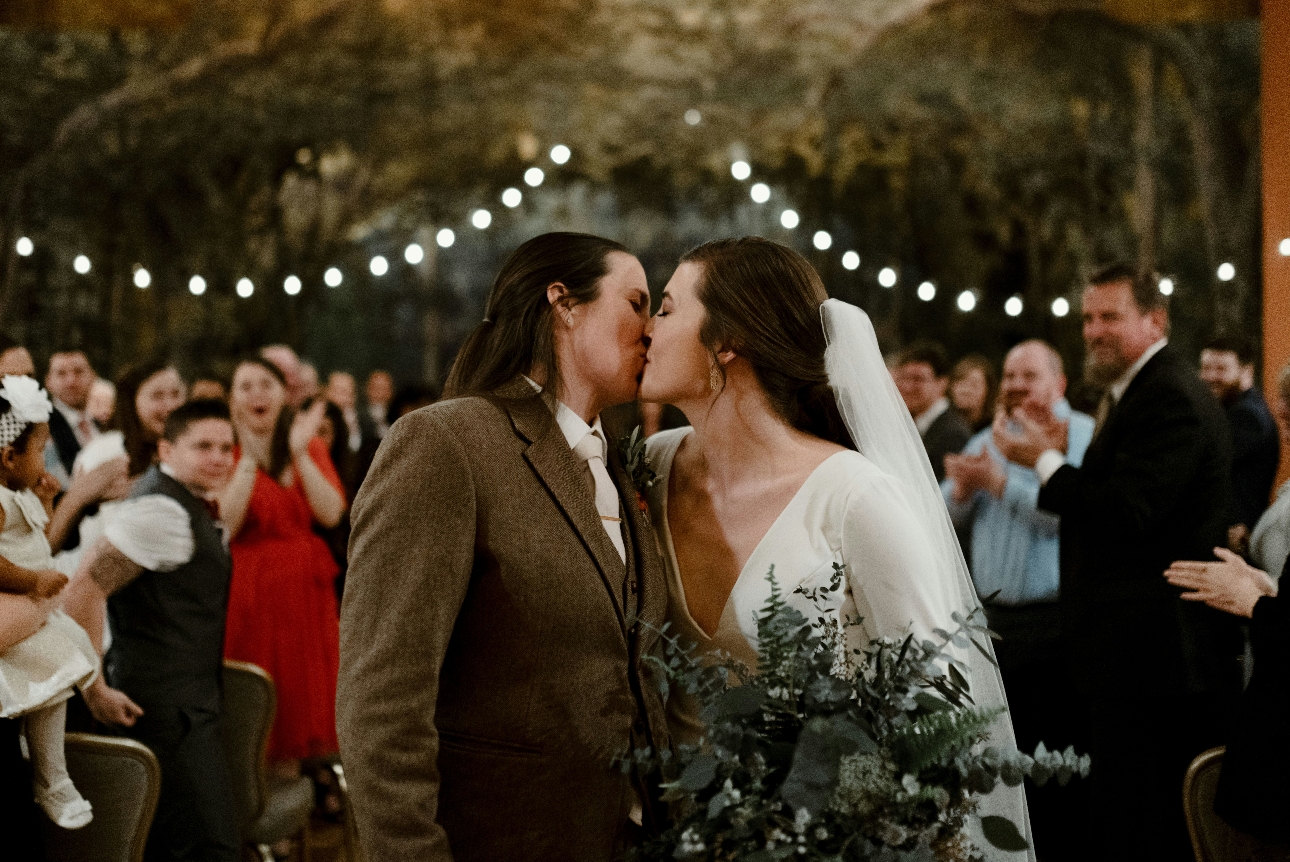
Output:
x=119 y=745
x=1202 y=761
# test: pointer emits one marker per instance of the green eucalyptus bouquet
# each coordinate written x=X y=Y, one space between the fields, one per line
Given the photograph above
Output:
x=828 y=754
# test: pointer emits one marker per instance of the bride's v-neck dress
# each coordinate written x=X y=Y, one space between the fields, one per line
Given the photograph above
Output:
x=847 y=511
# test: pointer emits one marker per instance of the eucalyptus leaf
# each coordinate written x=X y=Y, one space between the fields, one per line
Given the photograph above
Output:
x=1002 y=833
x=699 y=774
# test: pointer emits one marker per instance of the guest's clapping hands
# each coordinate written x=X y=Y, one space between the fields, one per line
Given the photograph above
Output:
x=972 y=473
x=1022 y=435
x=305 y=426
x=107 y=481
x=1229 y=584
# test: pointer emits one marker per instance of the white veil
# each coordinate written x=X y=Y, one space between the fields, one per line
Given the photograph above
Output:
x=884 y=432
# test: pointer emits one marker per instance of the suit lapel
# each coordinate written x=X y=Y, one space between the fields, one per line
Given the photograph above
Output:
x=554 y=463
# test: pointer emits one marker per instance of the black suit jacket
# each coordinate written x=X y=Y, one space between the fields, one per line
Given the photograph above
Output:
x=64 y=439
x=1256 y=451
x=946 y=436
x=1154 y=487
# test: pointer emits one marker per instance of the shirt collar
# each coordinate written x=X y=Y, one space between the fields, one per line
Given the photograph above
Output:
x=71 y=414
x=925 y=419
x=1122 y=383
x=573 y=426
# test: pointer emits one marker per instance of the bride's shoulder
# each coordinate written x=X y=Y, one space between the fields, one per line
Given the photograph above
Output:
x=663 y=445
x=851 y=474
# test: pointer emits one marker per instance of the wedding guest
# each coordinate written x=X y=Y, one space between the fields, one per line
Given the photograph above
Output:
x=309 y=386
x=70 y=427
x=282 y=611
x=1227 y=367
x=343 y=392
x=492 y=666
x=286 y=361
x=1270 y=541
x=15 y=360
x=148 y=392
x=379 y=391
x=1253 y=795
x=161 y=574
x=1016 y=567
x=102 y=402
x=921 y=372
x=973 y=387
x=1157 y=673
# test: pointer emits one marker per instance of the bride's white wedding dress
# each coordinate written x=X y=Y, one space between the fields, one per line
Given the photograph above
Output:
x=879 y=512
x=847 y=511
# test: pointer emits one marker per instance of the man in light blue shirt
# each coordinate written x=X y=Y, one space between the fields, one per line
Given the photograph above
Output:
x=1016 y=567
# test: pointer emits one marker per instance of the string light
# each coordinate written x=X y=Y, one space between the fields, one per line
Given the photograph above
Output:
x=1284 y=248
x=822 y=240
x=291 y=285
x=693 y=117
x=196 y=285
x=760 y=192
x=1167 y=286
x=741 y=170
x=967 y=301
x=482 y=218
x=24 y=246
x=1226 y=272
x=560 y=154
x=789 y=219
x=414 y=253
x=534 y=177
x=445 y=237
x=887 y=277
x=1013 y=306
x=142 y=278
x=379 y=266
x=333 y=277
x=927 y=291
x=1061 y=307
x=512 y=197
x=245 y=288
x=851 y=261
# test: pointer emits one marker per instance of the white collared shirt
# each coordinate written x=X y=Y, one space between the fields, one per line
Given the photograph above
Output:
x=74 y=417
x=573 y=426
x=923 y=421
x=1052 y=460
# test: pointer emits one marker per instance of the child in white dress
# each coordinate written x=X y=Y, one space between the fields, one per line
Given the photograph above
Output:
x=39 y=670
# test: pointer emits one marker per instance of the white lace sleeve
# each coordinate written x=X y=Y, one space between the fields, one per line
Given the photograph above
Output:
x=153 y=531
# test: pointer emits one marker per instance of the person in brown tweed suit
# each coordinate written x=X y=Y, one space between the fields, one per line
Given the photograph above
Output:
x=497 y=610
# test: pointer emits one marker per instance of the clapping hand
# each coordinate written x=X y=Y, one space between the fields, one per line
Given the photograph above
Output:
x=46 y=489
x=108 y=481
x=305 y=426
x=1229 y=584
x=972 y=473
x=1022 y=436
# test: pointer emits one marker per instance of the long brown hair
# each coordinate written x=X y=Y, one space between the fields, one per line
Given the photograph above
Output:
x=280 y=443
x=516 y=335
x=140 y=445
x=762 y=300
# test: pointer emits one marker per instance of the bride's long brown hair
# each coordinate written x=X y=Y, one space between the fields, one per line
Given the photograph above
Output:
x=762 y=300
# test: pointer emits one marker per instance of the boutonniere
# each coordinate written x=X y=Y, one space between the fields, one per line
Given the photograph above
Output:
x=637 y=466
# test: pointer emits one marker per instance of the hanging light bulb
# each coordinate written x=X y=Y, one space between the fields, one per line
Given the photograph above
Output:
x=1061 y=307
x=333 y=277
x=414 y=253
x=534 y=177
x=481 y=218
x=512 y=197
x=760 y=192
x=927 y=291
x=887 y=277
x=967 y=301
x=560 y=154
x=741 y=170
x=789 y=219
x=445 y=237
x=822 y=240
x=24 y=246
x=851 y=261
x=196 y=285
x=81 y=264
x=1013 y=306
x=245 y=288
x=291 y=285
x=142 y=278
x=379 y=266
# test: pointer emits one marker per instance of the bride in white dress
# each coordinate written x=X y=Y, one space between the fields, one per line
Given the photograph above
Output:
x=797 y=457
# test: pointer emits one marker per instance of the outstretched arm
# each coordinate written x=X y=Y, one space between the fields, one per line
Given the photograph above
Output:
x=411 y=557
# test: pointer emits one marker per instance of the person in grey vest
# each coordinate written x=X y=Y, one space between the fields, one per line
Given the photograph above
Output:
x=161 y=573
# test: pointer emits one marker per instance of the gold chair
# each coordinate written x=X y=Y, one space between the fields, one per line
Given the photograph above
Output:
x=269 y=810
x=1212 y=840
x=121 y=779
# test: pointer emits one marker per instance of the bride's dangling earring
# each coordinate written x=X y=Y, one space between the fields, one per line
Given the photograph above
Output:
x=714 y=377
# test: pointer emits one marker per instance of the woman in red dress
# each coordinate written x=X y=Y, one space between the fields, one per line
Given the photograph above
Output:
x=282 y=611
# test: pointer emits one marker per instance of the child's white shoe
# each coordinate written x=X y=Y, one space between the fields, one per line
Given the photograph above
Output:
x=64 y=804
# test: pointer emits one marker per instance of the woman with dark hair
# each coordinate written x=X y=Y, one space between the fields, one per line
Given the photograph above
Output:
x=503 y=586
x=973 y=387
x=782 y=386
x=282 y=611
x=147 y=393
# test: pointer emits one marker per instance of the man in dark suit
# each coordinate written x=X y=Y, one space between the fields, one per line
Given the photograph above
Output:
x=167 y=600
x=922 y=374
x=70 y=427
x=1227 y=367
x=1156 y=673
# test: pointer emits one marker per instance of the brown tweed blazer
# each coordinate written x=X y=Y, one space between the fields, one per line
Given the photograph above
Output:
x=491 y=667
